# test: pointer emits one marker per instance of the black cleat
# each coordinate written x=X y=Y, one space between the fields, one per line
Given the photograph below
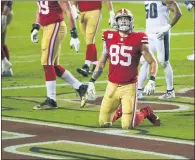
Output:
x=46 y=105
x=92 y=70
x=83 y=94
x=84 y=70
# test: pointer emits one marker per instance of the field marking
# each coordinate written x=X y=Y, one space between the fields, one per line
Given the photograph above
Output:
x=99 y=131
x=66 y=84
x=16 y=135
x=13 y=149
x=181 y=107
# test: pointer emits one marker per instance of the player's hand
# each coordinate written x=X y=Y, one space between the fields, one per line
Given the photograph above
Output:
x=75 y=42
x=111 y=19
x=34 y=33
x=3 y=23
x=189 y=7
x=163 y=31
x=149 y=88
x=75 y=12
x=91 y=91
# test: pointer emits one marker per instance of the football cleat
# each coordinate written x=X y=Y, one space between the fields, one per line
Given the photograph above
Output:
x=84 y=70
x=191 y=57
x=92 y=70
x=117 y=114
x=140 y=94
x=167 y=95
x=149 y=114
x=48 y=104
x=83 y=94
x=7 y=73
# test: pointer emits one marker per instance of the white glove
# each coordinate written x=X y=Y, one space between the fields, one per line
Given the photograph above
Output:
x=75 y=12
x=3 y=23
x=189 y=7
x=149 y=88
x=163 y=31
x=91 y=91
x=75 y=42
x=111 y=20
x=34 y=35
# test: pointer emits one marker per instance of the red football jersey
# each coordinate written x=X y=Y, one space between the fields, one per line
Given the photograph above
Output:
x=89 y=5
x=49 y=12
x=124 y=55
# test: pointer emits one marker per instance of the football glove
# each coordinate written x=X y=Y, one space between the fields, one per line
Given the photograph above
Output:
x=75 y=12
x=91 y=91
x=34 y=32
x=74 y=42
x=149 y=88
x=163 y=31
x=3 y=23
x=111 y=20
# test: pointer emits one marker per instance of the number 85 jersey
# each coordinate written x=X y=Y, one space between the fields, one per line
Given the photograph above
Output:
x=124 y=55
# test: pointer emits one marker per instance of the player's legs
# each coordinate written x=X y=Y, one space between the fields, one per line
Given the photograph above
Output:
x=109 y=105
x=128 y=95
x=144 y=69
x=6 y=65
x=90 y=25
x=163 y=49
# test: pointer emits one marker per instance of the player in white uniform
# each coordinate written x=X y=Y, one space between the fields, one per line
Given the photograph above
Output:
x=158 y=26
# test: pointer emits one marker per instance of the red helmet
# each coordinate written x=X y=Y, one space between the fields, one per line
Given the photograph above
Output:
x=124 y=20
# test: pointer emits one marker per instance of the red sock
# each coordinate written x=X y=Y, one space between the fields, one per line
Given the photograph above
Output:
x=139 y=118
x=117 y=114
x=2 y=53
x=91 y=52
x=59 y=70
x=6 y=51
x=50 y=74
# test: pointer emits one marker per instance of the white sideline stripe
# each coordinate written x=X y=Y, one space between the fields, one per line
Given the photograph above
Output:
x=13 y=149
x=98 y=131
x=66 y=84
x=184 y=90
x=16 y=135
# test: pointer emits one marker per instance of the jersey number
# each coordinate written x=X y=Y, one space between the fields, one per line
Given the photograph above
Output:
x=43 y=7
x=151 y=10
x=115 y=50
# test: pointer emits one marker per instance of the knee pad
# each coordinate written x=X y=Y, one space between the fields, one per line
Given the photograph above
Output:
x=164 y=64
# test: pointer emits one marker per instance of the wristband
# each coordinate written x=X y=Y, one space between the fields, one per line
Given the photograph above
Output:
x=92 y=80
x=73 y=33
x=35 y=26
x=152 y=78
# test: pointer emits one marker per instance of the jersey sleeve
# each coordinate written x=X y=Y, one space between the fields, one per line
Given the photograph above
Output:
x=144 y=38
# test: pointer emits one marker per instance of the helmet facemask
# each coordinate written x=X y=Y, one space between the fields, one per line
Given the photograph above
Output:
x=124 y=20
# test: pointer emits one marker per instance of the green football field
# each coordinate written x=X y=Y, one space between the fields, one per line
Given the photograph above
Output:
x=27 y=87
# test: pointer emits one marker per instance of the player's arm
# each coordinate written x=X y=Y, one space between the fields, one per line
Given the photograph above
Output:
x=111 y=11
x=173 y=7
x=101 y=64
x=150 y=87
x=35 y=29
x=74 y=42
x=150 y=59
x=75 y=11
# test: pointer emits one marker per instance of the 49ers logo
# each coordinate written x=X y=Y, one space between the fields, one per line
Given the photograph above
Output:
x=116 y=50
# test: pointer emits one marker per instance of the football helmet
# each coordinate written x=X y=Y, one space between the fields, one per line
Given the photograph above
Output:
x=124 y=20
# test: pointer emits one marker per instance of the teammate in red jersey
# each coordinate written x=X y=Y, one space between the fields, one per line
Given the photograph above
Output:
x=6 y=18
x=50 y=16
x=89 y=20
x=123 y=49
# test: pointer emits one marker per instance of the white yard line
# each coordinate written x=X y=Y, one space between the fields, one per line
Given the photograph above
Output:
x=66 y=84
x=13 y=149
x=99 y=131
x=15 y=135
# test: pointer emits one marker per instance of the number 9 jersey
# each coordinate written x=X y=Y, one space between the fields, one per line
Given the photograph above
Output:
x=49 y=12
x=124 y=55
